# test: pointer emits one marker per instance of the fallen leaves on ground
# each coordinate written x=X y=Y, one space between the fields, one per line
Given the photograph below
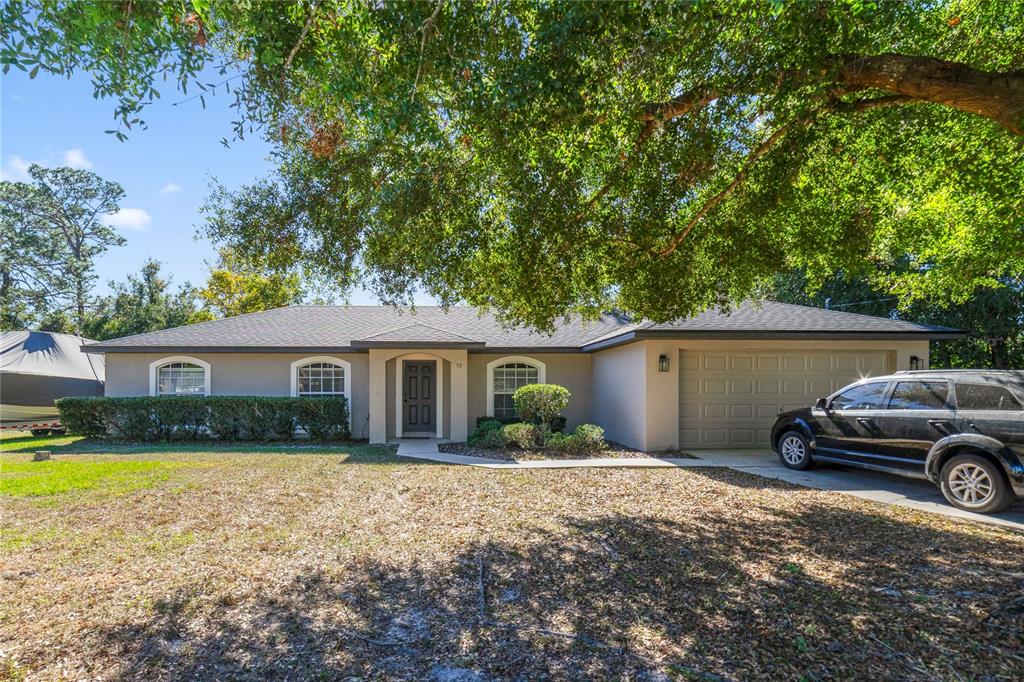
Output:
x=327 y=566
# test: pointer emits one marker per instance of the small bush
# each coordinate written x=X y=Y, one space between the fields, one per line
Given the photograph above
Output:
x=520 y=434
x=557 y=426
x=192 y=417
x=541 y=404
x=585 y=440
x=590 y=437
x=487 y=434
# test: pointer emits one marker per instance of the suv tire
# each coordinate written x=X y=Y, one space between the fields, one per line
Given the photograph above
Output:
x=795 y=451
x=973 y=483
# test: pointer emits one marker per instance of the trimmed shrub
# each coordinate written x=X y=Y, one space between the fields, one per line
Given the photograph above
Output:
x=324 y=418
x=557 y=426
x=83 y=416
x=590 y=438
x=487 y=434
x=541 y=404
x=521 y=434
x=585 y=440
x=193 y=417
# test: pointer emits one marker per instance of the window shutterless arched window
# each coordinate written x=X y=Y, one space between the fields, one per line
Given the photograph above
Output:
x=504 y=376
x=179 y=375
x=320 y=379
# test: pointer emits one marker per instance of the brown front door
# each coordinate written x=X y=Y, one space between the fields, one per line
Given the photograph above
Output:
x=418 y=399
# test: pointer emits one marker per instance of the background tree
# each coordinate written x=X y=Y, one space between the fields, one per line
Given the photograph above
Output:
x=237 y=286
x=143 y=303
x=55 y=230
x=541 y=158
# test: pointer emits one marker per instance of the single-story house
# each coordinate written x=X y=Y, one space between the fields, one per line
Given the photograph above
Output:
x=713 y=380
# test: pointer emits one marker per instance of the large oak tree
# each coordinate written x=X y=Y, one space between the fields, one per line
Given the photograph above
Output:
x=542 y=157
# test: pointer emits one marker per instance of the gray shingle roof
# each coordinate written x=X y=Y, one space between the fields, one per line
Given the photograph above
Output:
x=774 y=316
x=309 y=327
x=337 y=327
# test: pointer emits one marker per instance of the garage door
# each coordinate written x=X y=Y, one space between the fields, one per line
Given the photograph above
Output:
x=731 y=399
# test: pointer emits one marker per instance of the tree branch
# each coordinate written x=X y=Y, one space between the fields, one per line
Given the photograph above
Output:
x=302 y=37
x=752 y=158
x=427 y=26
x=861 y=105
x=996 y=96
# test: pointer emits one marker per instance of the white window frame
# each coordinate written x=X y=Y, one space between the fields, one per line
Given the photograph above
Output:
x=344 y=364
x=154 y=371
x=533 y=362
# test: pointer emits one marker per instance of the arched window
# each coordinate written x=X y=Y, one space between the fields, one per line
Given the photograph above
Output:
x=179 y=375
x=320 y=379
x=323 y=376
x=504 y=376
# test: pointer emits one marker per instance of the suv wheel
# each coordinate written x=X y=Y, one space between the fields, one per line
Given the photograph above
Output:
x=795 y=451
x=973 y=483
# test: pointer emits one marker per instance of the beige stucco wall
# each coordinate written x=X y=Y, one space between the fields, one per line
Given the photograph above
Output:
x=572 y=370
x=619 y=389
x=240 y=374
x=639 y=406
x=619 y=396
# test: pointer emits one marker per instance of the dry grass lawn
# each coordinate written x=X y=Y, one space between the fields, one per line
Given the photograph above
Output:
x=165 y=563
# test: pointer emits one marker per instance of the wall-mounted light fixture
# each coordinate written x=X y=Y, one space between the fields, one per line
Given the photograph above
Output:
x=662 y=363
x=915 y=362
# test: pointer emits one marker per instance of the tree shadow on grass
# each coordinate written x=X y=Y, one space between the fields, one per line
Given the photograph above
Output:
x=820 y=592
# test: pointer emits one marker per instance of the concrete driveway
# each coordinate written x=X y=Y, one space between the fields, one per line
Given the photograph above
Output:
x=869 y=485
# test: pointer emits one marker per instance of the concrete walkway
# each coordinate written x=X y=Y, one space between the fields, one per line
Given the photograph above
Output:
x=868 y=485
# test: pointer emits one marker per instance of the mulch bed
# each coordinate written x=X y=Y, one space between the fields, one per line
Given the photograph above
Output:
x=614 y=450
x=322 y=566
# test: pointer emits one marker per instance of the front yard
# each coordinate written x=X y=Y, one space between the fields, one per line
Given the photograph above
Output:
x=174 y=562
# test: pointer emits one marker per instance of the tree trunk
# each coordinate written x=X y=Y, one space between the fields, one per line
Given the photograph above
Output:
x=996 y=96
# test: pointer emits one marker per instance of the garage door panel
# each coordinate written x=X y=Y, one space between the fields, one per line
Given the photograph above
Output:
x=714 y=362
x=731 y=399
x=743 y=363
x=714 y=386
x=741 y=387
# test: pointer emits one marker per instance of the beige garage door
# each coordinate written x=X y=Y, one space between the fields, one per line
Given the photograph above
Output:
x=730 y=399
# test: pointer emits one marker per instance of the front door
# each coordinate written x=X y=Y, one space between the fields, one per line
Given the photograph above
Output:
x=418 y=397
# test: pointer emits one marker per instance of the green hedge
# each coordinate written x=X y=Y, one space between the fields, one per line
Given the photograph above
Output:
x=557 y=425
x=195 y=417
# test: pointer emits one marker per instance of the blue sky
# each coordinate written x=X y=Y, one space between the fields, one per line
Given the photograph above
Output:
x=164 y=170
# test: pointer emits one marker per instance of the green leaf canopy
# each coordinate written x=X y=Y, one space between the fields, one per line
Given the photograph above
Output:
x=542 y=158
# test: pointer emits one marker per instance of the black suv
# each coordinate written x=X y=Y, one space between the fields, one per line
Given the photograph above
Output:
x=961 y=429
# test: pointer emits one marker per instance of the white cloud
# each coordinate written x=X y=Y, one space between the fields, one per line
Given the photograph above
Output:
x=129 y=219
x=170 y=188
x=15 y=170
x=75 y=158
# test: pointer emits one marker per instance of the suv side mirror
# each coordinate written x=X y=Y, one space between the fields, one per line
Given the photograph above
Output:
x=821 y=404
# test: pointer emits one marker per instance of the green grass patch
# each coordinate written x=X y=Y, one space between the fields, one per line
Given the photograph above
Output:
x=56 y=477
x=12 y=540
x=23 y=441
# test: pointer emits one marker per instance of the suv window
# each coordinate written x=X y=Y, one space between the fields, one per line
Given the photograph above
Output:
x=919 y=395
x=985 y=397
x=861 y=397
